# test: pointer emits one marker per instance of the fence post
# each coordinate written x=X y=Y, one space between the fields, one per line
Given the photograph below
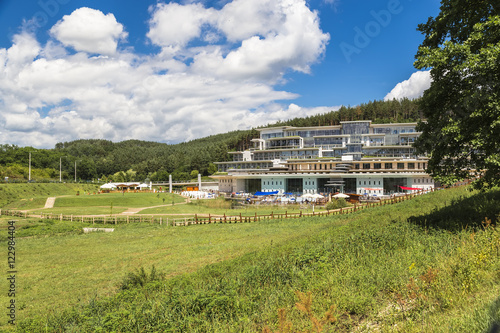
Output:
x=196 y=218
x=209 y=219
x=255 y=219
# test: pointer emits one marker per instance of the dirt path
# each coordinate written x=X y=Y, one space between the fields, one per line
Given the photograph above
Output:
x=138 y=209
x=50 y=202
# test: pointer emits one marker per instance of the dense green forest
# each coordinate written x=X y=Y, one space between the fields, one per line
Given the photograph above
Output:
x=135 y=160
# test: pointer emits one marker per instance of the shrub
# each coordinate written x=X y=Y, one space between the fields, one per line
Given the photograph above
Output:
x=336 y=204
x=140 y=278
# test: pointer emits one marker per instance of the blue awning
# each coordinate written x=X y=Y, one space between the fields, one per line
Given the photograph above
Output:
x=266 y=193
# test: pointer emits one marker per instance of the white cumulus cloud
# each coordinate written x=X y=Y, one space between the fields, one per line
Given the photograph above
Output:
x=412 y=88
x=89 y=30
x=209 y=77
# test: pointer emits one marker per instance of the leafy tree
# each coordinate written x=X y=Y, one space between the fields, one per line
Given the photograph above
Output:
x=212 y=168
x=462 y=105
x=194 y=174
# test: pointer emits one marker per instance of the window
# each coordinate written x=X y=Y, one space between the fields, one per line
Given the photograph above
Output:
x=388 y=166
x=369 y=182
x=360 y=182
x=364 y=182
x=379 y=182
x=411 y=165
x=401 y=165
x=366 y=165
x=356 y=166
x=377 y=165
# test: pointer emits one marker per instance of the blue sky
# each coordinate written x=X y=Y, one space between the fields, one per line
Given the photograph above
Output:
x=180 y=70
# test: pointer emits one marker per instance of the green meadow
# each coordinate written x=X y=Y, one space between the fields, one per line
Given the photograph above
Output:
x=90 y=203
x=430 y=264
x=33 y=195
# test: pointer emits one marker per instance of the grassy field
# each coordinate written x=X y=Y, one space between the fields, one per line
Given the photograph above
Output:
x=407 y=267
x=33 y=195
x=108 y=203
x=431 y=264
x=59 y=266
x=216 y=207
x=68 y=203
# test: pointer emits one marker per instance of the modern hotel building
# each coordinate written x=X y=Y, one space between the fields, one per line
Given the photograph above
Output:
x=353 y=157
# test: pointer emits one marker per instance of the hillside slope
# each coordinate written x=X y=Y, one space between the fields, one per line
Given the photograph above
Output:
x=428 y=264
x=33 y=195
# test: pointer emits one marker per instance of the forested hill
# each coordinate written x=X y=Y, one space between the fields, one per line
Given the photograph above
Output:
x=378 y=112
x=140 y=160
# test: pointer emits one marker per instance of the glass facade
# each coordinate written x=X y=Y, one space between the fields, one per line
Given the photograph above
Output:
x=318 y=132
x=283 y=143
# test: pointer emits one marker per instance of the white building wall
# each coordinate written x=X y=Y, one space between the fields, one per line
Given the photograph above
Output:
x=370 y=185
x=272 y=184
x=424 y=183
x=239 y=185
x=310 y=185
x=226 y=185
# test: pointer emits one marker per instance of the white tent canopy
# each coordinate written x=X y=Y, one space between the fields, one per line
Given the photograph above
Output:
x=108 y=186
x=340 y=195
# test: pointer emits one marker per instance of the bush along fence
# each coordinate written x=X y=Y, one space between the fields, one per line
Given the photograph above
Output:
x=168 y=220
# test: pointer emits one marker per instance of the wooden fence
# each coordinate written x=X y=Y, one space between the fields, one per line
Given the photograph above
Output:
x=168 y=220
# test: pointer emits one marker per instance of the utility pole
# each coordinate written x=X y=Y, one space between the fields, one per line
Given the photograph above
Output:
x=29 y=173
x=75 y=168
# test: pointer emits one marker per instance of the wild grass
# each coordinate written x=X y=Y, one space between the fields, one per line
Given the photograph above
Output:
x=396 y=268
x=59 y=268
x=78 y=211
x=431 y=264
x=40 y=228
x=119 y=200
